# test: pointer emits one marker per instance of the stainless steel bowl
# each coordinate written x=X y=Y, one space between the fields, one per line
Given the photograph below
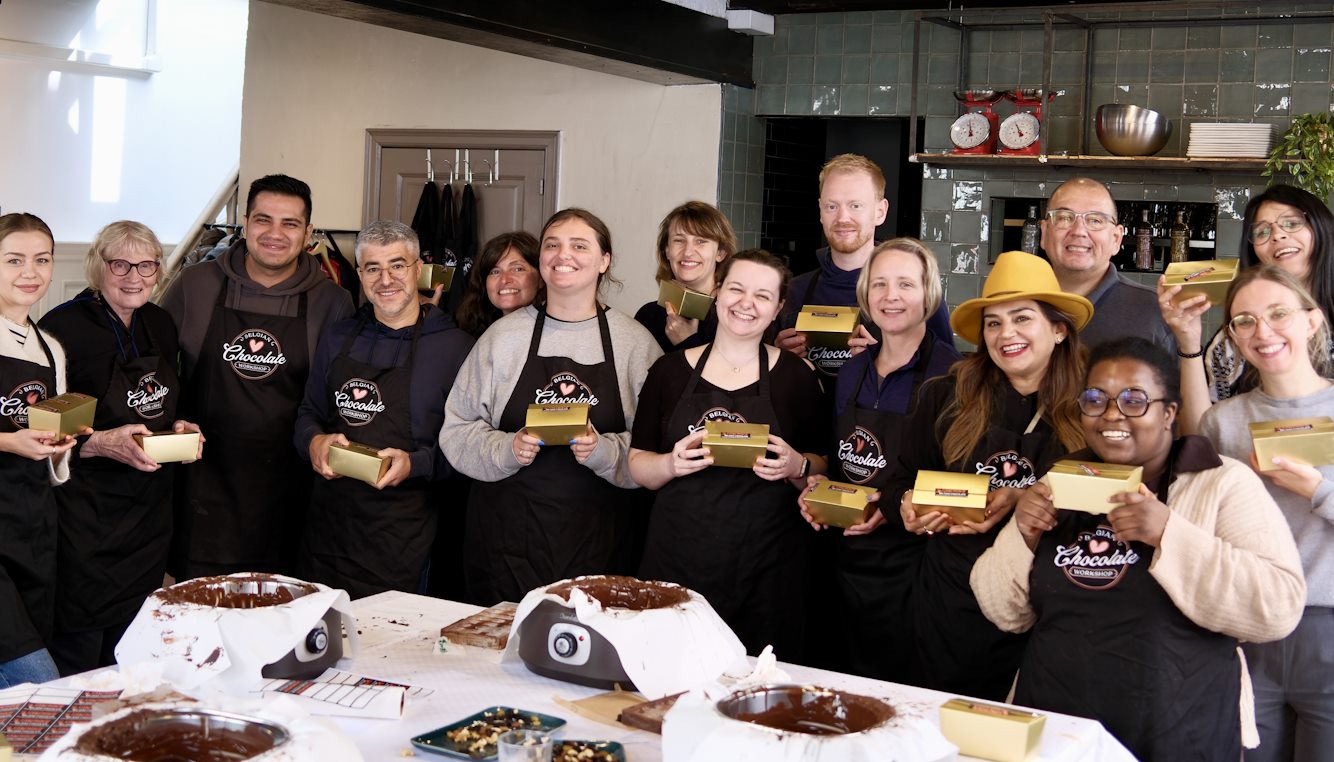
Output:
x=1126 y=130
x=806 y=709
x=201 y=735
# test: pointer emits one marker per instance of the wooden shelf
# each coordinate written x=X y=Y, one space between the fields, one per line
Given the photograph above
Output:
x=1170 y=163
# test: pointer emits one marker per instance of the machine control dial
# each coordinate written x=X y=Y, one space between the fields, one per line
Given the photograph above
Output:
x=569 y=643
x=565 y=645
x=317 y=640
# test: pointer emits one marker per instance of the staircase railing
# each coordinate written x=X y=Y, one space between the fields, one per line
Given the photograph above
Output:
x=224 y=201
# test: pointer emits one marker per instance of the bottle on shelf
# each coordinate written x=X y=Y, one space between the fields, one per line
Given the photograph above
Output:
x=1029 y=240
x=1144 y=241
x=1180 y=235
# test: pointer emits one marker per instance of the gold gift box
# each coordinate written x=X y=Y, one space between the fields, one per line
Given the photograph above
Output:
x=1211 y=278
x=688 y=303
x=825 y=326
x=358 y=461
x=736 y=445
x=963 y=497
x=1086 y=486
x=6 y=751
x=988 y=731
x=435 y=275
x=557 y=424
x=838 y=504
x=168 y=446
x=64 y=415
x=1310 y=440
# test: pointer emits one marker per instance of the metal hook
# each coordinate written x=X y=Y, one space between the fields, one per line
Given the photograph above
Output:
x=430 y=169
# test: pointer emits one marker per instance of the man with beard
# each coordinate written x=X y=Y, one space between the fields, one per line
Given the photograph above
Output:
x=852 y=204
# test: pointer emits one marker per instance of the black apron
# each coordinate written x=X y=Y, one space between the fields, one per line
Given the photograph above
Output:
x=358 y=538
x=1111 y=645
x=727 y=534
x=827 y=360
x=959 y=650
x=27 y=515
x=242 y=507
x=876 y=571
x=115 y=521
x=554 y=518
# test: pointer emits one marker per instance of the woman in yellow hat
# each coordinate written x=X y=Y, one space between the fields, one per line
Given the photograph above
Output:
x=1006 y=411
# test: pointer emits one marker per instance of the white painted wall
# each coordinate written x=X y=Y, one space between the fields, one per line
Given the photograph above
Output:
x=630 y=150
x=84 y=147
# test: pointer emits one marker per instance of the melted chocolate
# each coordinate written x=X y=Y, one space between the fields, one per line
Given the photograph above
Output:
x=807 y=709
x=150 y=735
x=248 y=592
x=624 y=592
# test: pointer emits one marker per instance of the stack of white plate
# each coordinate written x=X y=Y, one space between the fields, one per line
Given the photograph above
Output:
x=1233 y=140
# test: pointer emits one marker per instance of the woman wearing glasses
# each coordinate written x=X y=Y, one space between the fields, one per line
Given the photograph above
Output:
x=1283 y=337
x=1286 y=227
x=115 y=512
x=1007 y=411
x=1134 y=615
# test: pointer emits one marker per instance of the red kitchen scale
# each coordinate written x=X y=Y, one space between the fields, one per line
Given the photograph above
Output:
x=974 y=132
x=1019 y=132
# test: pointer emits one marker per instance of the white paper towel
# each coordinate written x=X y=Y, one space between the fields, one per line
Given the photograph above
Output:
x=200 y=644
x=664 y=651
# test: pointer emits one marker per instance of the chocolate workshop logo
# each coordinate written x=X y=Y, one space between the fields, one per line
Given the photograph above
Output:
x=861 y=456
x=1008 y=469
x=715 y=414
x=1095 y=560
x=828 y=359
x=565 y=388
x=358 y=401
x=148 y=397
x=14 y=406
x=254 y=354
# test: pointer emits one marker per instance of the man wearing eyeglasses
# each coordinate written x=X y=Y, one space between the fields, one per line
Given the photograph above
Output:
x=249 y=323
x=380 y=378
x=1080 y=235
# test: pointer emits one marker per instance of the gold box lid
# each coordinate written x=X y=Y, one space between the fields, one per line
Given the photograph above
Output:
x=1197 y=273
x=435 y=275
x=1291 y=427
x=726 y=433
x=951 y=489
x=557 y=414
x=1097 y=470
x=359 y=449
x=687 y=302
x=817 y=318
x=841 y=493
x=992 y=710
x=64 y=402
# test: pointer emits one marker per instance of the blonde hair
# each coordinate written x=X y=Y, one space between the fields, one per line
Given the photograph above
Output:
x=849 y=163
x=118 y=236
x=1317 y=347
x=931 y=290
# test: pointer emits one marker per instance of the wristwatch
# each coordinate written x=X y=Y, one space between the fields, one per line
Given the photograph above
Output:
x=805 y=467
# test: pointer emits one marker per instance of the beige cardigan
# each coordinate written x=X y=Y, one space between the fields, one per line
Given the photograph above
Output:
x=1227 y=560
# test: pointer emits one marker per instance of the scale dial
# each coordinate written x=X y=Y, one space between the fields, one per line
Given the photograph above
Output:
x=1019 y=130
x=970 y=130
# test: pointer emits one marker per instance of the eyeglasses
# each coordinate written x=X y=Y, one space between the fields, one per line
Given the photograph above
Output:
x=122 y=267
x=1261 y=231
x=397 y=270
x=1064 y=219
x=1277 y=318
x=1132 y=402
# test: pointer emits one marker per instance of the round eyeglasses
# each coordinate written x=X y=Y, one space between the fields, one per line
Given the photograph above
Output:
x=1261 y=231
x=1277 y=318
x=1064 y=219
x=1132 y=402
x=146 y=268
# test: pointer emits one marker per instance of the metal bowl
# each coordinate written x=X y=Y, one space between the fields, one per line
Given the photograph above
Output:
x=1126 y=130
x=806 y=709
x=977 y=96
x=168 y=735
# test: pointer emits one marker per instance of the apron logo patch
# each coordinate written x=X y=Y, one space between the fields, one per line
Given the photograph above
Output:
x=861 y=456
x=147 y=397
x=358 y=401
x=828 y=359
x=1008 y=469
x=564 y=388
x=15 y=406
x=254 y=354
x=1096 y=560
x=715 y=414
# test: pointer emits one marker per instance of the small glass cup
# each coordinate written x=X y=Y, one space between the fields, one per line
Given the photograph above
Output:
x=524 y=746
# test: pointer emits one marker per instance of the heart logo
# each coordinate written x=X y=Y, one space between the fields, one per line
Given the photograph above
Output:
x=148 y=388
x=566 y=388
x=33 y=398
x=256 y=345
x=359 y=394
x=1009 y=469
x=859 y=444
x=1098 y=547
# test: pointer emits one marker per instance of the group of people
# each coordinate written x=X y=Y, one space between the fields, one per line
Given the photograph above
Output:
x=1134 y=618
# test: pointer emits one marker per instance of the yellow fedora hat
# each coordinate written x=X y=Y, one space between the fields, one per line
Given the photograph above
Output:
x=1018 y=275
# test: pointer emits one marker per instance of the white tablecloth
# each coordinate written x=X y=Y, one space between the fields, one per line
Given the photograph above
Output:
x=399 y=632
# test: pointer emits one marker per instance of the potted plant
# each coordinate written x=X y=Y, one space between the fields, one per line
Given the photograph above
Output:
x=1306 y=151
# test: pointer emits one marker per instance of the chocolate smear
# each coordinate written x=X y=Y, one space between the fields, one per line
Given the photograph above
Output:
x=806 y=709
x=243 y=592
x=181 y=735
x=628 y=593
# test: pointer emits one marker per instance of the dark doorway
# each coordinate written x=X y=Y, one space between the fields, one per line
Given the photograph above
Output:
x=795 y=149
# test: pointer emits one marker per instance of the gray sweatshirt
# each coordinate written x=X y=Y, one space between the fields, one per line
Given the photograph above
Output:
x=471 y=439
x=1312 y=521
